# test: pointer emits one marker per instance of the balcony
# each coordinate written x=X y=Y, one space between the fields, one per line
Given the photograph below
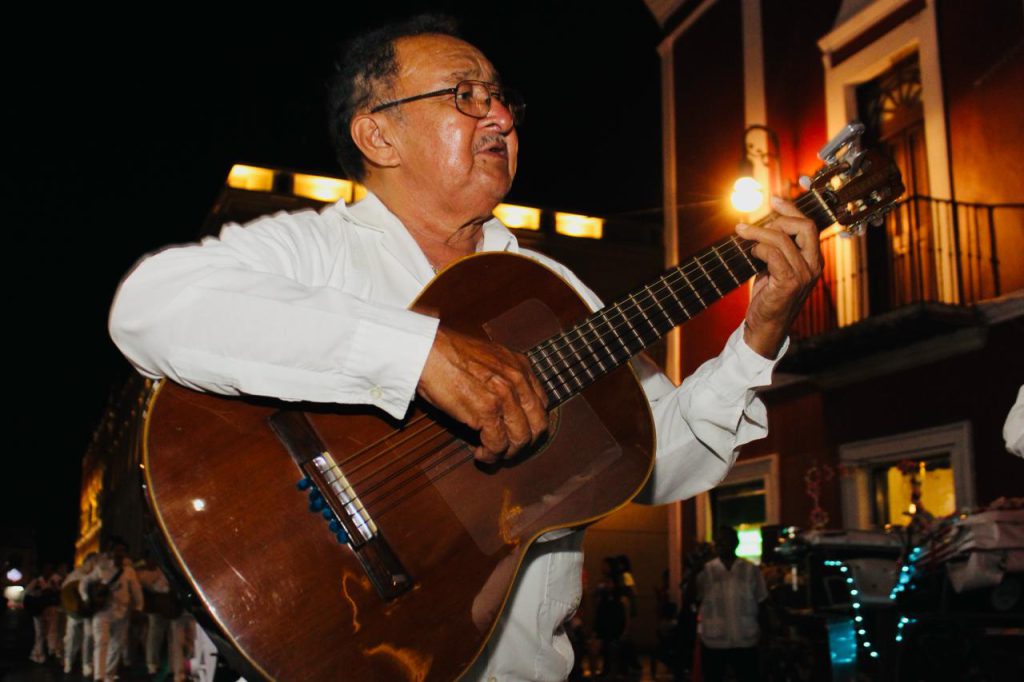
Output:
x=917 y=276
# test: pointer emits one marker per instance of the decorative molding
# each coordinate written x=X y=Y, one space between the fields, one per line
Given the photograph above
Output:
x=665 y=46
x=858 y=24
x=918 y=33
x=662 y=10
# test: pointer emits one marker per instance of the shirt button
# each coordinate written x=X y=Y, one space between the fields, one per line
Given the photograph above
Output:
x=376 y=393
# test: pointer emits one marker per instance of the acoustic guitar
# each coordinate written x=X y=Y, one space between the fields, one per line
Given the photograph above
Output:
x=406 y=574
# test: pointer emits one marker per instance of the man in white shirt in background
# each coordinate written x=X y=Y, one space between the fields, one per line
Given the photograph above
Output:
x=44 y=591
x=78 y=629
x=164 y=612
x=730 y=590
x=114 y=577
x=313 y=306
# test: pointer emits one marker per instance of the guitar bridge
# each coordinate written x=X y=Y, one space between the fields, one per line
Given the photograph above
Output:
x=309 y=452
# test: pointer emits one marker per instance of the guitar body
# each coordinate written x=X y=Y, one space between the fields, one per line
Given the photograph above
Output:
x=297 y=603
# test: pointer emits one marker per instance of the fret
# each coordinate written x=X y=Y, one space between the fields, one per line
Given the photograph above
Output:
x=539 y=361
x=678 y=300
x=657 y=302
x=590 y=323
x=693 y=288
x=744 y=252
x=726 y=265
x=581 y=361
x=625 y=346
x=564 y=365
x=643 y=313
x=709 y=277
x=622 y=313
x=555 y=391
x=572 y=375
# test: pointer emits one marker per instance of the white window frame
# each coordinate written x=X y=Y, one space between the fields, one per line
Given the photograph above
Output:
x=859 y=458
x=764 y=469
x=918 y=33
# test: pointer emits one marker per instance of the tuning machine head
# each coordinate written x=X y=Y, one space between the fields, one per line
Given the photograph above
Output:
x=847 y=139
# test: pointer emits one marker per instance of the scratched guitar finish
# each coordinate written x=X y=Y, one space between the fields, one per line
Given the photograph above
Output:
x=435 y=538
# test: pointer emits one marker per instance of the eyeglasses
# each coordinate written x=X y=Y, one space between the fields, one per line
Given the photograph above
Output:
x=472 y=98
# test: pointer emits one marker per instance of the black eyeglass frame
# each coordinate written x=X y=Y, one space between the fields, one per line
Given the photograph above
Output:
x=501 y=93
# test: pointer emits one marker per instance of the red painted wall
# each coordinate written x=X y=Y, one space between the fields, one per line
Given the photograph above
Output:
x=795 y=81
x=709 y=123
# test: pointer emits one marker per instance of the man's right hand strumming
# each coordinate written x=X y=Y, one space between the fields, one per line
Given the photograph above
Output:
x=487 y=387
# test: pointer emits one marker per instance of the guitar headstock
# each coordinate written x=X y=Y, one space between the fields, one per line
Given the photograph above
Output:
x=858 y=186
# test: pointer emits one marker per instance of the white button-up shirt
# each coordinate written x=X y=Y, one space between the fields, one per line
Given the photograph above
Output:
x=729 y=602
x=313 y=306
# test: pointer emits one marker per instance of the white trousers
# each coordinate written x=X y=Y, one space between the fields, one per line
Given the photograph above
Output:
x=110 y=636
x=78 y=633
x=47 y=641
x=176 y=638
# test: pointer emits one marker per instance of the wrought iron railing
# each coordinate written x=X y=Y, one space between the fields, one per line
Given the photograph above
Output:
x=928 y=250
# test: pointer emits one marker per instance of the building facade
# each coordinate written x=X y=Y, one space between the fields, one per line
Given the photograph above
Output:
x=907 y=358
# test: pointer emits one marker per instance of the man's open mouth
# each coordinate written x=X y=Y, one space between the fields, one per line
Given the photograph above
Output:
x=493 y=145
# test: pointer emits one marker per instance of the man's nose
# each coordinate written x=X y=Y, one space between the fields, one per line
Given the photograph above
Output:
x=500 y=116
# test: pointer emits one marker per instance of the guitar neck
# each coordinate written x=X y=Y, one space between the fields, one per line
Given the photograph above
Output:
x=572 y=360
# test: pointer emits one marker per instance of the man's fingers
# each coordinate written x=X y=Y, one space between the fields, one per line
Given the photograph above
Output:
x=487 y=387
x=513 y=416
x=775 y=247
x=794 y=223
x=493 y=440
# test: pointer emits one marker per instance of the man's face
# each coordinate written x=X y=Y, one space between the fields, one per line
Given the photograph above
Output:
x=466 y=164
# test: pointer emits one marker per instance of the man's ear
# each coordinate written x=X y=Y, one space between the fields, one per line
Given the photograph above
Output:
x=372 y=137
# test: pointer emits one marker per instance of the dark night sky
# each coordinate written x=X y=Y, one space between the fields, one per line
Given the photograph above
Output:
x=122 y=138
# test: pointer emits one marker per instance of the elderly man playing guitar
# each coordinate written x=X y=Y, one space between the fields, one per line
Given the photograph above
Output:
x=316 y=307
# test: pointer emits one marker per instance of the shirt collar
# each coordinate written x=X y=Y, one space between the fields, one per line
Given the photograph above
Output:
x=370 y=212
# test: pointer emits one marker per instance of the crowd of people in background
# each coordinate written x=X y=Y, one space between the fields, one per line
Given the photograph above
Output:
x=717 y=627
x=109 y=608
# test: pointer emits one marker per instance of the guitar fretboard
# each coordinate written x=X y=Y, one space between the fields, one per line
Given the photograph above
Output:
x=569 y=362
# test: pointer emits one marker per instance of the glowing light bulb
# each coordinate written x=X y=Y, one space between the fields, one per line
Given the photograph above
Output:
x=747 y=195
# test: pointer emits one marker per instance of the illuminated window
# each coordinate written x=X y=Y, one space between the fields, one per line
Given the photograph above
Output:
x=251 y=178
x=882 y=476
x=741 y=506
x=520 y=217
x=573 y=225
x=321 y=188
x=912 y=486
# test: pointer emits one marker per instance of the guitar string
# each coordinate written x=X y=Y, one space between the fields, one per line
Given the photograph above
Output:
x=413 y=484
x=635 y=309
x=648 y=294
x=809 y=204
x=405 y=432
x=427 y=480
x=605 y=335
x=416 y=451
x=396 y=458
x=599 y=331
x=580 y=335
